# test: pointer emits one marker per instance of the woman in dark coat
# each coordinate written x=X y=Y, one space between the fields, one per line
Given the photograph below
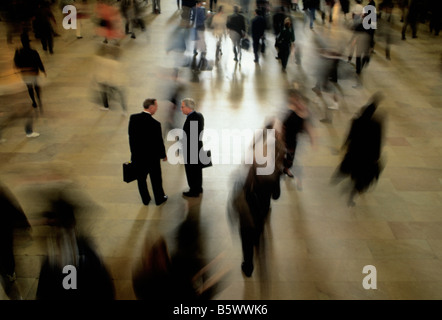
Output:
x=363 y=150
x=285 y=42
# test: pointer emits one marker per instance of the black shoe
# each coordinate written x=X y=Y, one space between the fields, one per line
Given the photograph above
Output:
x=289 y=173
x=133 y=36
x=146 y=202
x=247 y=269
x=191 y=194
x=164 y=199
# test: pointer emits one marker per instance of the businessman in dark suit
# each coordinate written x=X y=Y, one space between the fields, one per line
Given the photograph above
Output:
x=147 y=148
x=193 y=126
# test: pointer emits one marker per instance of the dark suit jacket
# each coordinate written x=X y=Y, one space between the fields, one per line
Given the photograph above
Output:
x=191 y=139
x=145 y=139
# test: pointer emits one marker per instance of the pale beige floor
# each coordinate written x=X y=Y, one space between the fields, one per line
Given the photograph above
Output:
x=316 y=247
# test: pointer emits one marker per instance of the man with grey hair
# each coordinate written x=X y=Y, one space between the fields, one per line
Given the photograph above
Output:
x=192 y=144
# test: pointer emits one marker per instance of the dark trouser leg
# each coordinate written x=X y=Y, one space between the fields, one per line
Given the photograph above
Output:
x=194 y=174
x=50 y=43
x=7 y=261
x=247 y=242
x=122 y=98
x=44 y=43
x=284 y=55
x=38 y=93
x=358 y=65
x=31 y=94
x=105 y=95
x=256 y=49
x=142 y=185
x=157 y=181
x=29 y=124
x=414 y=29
x=289 y=157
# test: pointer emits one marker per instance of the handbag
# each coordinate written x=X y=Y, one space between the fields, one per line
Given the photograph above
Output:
x=245 y=43
x=208 y=164
x=129 y=172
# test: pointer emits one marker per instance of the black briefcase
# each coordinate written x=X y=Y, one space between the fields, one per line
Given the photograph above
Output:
x=209 y=156
x=129 y=172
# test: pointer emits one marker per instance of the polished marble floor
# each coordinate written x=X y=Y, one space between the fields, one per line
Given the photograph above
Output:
x=315 y=246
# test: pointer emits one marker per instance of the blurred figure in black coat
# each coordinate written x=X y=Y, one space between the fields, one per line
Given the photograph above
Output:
x=363 y=151
x=250 y=202
x=13 y=218
x=181 y=274
x=67 y=247
x=258 y=34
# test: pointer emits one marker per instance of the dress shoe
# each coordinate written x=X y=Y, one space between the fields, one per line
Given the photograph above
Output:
x=288 y=172
x=146 y=202
x=164 y=199
x=191 y=194
x=247 y=269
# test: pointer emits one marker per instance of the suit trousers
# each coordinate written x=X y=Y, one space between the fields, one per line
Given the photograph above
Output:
x=154 y=170
x=194 y=175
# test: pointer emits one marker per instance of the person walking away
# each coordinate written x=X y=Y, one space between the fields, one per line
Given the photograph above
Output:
x=29 y=63
x=258 y=27
x=198 y=20
x=296 y=121
x=219 y=29
x=236 y=24
x=362 y=159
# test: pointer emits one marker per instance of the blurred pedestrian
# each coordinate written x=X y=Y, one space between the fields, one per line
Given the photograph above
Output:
x=218 y=25
x=147 y=148
x=236 y=25
x=13 y=219
x=362 y=159
x=29 y=63
x=285 y=43
x=411 y=19
x=250 y=203
x=345 y=7
x=110 y=25
x=87 y=277
x=360 y=44
x=186 y=8
x=110 y=77
x=386 y=25
x=43 y=28
x=82 y=14
x=198 y=21
x=130 y=10
x=296 y=121
x=258 y=27
x=310 y=6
